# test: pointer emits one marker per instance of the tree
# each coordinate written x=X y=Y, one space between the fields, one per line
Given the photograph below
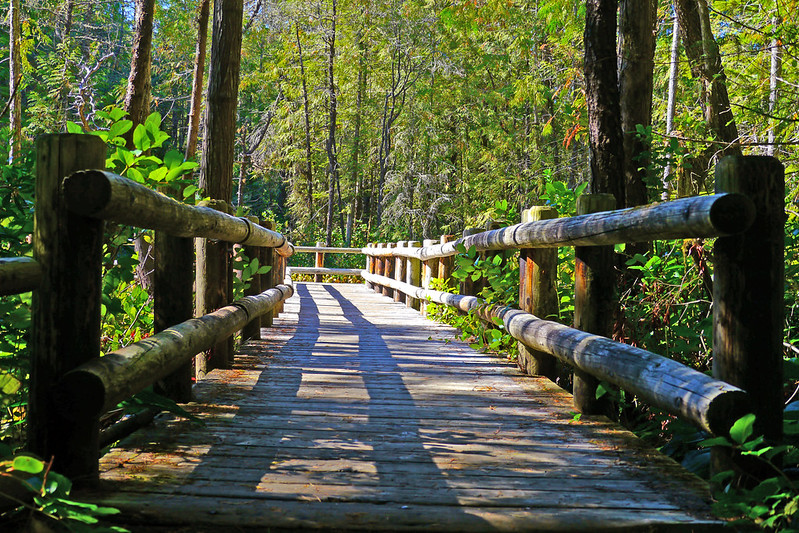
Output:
x=197 y=78
x=637 y=23
x=602 y=99
x=15 y=79
x=137 y=96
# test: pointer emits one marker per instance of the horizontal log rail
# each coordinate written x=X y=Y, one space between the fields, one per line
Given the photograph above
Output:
x=711 y=404
x=107 y=196
x=327 y=250
x=98 y=385
x=18 y=275
x=325 y=271
x=699 y=216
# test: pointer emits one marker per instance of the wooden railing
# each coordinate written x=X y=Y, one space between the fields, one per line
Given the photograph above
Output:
x=746 y=215
x=319 y=270
x=70 y=384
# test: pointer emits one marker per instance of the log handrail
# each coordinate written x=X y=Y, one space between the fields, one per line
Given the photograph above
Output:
x=18 y=275
x=105 y=195
x=318 y=270
x=699 y=216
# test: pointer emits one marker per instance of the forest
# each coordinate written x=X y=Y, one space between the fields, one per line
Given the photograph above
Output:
x=363 y=121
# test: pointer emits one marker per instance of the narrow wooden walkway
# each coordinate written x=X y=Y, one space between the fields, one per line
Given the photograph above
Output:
x=359 y=415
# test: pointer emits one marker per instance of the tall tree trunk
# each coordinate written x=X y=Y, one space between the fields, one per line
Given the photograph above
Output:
x=330 y=145
x=637 y=22
x=214 y=276
x=774 y=76
x=15 y=80
x=705 y=60
x=137 y=97
x=197 y=78
x=308 y=170
x=674 y=73
x=602 y=99
x=356 y=137
x=137 y=104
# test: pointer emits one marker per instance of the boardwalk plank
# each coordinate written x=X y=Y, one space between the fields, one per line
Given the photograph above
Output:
x=356 y=414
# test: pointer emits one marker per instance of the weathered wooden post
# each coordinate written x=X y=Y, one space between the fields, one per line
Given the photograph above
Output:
x=445 y=263
x=538 y=293
x=414 y=275
x=467 y=286
x=319 y=262
x=370 y=265
x=173 y=302
x=281 y=278
x=429 y=271
x=212 y=287
x=268 y=280
x=748 y=291
x=66 y=307
x=388 y=271
x=400 y=266
x=380 y=267
x=594 y=300
x=253 y=329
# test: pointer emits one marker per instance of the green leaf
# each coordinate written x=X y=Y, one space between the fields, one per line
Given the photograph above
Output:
x=28 y=464
x=9 y=384
x=743 y=428
x=119 y=128
x=189 y=191
x=716 y=441
x=140 y=138
x=158 y=174
x=153 y=123
x=73 y=127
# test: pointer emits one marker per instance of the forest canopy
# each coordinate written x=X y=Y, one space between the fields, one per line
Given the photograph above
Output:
x=409 y=119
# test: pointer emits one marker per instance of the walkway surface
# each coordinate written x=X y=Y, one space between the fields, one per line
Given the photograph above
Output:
x=357 y=414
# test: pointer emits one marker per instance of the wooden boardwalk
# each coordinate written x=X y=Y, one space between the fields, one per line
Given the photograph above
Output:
x=364 y=416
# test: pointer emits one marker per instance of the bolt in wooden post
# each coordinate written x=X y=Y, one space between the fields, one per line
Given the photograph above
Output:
x=380 y=268
x=253 y=329
x=370 y=265
x=319 y=262
x=173 y=297
x=414 y=275
x=388 y=271
x=749 y=277
x=267 y=256
x=445 y=263
x=467 y=286
x=65 y=330
x=538 y=293
x=594 y=300
x=429 y=271
x=400 y=266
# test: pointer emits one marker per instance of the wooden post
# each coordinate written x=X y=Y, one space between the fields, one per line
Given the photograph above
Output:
x=467 y=287
x=445 y=263
x=388 y=271
x=267 y=256
x=413 y=275
x=594 y=300
x=748 y=287
x=319 y=262
x=400 y=268
x=281 y=277
x=253 y=329
x=429 y=271
x=173 y=295
x=370 y=265
x=212 y=288
x=380 y=267
x=65 y=331
x=538 y=293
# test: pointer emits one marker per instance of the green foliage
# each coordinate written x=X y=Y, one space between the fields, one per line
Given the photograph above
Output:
x=245 y=269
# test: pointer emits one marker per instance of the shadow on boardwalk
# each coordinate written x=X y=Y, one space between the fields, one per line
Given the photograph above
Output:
x=357 y=414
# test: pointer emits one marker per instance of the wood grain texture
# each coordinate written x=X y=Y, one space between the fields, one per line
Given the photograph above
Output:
x=357 y=414
x=18 y=275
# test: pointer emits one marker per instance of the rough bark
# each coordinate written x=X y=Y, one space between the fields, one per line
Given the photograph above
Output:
x=137 y=97
x=602 y=99
x=330 y=144
x=775 y=72
x=637 y=23
x=308 y=170
x=674 y=73
x=705 y=60
x=197 y=78
x=15 y=79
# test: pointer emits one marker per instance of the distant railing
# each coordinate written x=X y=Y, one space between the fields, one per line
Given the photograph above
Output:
x=318 y=271
x=70 y=385
x=747 y=217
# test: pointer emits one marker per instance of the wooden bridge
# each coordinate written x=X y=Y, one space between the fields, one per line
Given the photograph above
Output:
x=356 y=413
